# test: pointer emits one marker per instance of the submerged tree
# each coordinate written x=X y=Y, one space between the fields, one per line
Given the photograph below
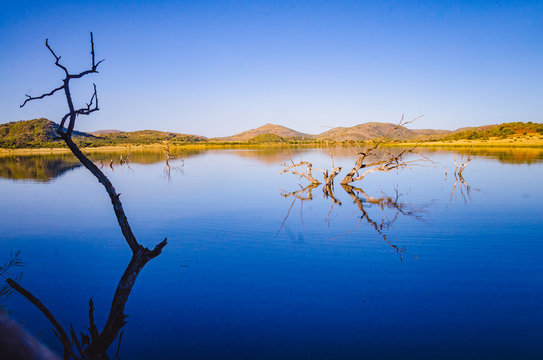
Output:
x=94 y=345
x=366 y=161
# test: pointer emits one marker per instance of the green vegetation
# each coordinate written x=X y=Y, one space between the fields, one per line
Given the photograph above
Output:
x=37 y=133
x=266 y=138
x=144 y=137
x=41 y=133
x=39 y=168
x=501 y=131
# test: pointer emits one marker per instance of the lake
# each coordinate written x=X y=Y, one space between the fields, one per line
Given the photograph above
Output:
x=412 y=264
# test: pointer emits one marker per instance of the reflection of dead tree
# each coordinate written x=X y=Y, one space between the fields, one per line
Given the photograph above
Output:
x=95 y=346
x=385 y=202
x=298 y=195
x=328 y=191
x=388 y=161
x=167 y=157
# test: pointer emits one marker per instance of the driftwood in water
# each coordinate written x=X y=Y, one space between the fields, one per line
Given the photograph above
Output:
x=460 y=166
x=387 y=162
x=95 y=345
x=307 y=173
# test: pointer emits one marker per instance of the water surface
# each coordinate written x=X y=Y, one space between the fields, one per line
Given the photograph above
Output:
x=411 y=264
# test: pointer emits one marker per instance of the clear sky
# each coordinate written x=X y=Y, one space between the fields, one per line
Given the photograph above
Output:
x=215 y=68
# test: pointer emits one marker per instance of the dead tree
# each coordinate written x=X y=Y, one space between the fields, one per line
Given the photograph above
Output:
x=328 y=175
x=387 y=162
x=95 y=346
x=460 y=166
x=307 y=173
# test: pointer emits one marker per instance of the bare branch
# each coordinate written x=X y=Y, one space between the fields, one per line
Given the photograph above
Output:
x=30 y=98
x=94 y=65
x=306 y=174
x=87 y=110
x=388 y=161
x=140 y=254
x=57 y=58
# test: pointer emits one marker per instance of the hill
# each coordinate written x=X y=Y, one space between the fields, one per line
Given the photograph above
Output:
x=105 y=131
x=41 y=133
x=372 y=130
x=500 y=131
x=281 y=131
x=34 y=134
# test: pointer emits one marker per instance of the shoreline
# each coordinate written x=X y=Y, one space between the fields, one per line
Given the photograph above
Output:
x=502 y=143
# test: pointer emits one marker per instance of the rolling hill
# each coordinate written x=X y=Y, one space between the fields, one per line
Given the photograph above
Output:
x=34 y=134
x=281 y=131
x=144 y=137
x=42 y=133
x=372 y=130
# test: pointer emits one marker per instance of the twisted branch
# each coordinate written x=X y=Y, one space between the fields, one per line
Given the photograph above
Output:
x=387 y=163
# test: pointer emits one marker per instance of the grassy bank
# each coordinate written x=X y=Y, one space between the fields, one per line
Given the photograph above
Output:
x=519 y=141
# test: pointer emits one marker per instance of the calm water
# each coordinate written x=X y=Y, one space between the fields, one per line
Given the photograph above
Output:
x=406 y=266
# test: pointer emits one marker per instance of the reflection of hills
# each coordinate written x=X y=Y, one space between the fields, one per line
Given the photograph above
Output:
x=138 y=156
x=47 y=167
x=277 y=155
x=44 y=168
x=508 y=155
x=38 y=168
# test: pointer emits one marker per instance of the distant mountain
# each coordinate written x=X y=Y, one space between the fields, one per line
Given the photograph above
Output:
x=430 y=132
x=34 y=134
x=106 y=131
x=42 y=133
x=281 y=131
x=365 y=132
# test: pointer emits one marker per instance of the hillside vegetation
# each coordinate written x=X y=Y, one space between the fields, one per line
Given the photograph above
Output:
x=41 y=133
x=374 y=130
x=37 y=133
x=278 y=130
x=144 y=137
x=501 y=131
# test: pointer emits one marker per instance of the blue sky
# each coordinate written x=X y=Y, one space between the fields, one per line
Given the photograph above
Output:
x=219 y=67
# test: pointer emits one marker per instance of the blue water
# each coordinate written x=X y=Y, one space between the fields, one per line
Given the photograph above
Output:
x=453 y=276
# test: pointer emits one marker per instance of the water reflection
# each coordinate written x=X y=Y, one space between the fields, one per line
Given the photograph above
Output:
x=40 y=168
x=506 y=155
x=391 y=209
x=94 y=344
x=44 y=168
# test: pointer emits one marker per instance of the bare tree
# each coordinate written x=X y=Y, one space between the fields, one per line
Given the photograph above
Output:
x=460 y=166
x=307 y=173
x=387 y=162
x=95 y=345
